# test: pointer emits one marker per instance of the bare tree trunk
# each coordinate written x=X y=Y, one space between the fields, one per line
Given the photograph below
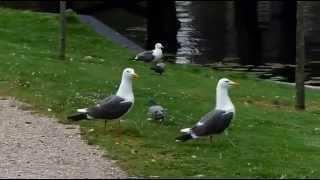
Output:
x=62 y=34
x=300 y=58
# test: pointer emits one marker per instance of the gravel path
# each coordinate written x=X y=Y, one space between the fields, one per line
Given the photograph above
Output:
x=34 y=146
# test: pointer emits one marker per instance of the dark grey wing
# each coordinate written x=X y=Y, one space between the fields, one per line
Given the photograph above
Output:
x=105 y=100
x=145 y=56
x=213 y=122
x=110 y=108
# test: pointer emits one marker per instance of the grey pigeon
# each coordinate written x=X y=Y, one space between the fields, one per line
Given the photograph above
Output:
x=159 y=68
x=156 y=111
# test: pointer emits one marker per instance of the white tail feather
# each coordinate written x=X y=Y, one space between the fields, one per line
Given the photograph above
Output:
x=185 y=130
x=84 y=110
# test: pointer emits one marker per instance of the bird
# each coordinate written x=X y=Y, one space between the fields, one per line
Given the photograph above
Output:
x=159 y=68
x=156 y=111
x=113 y=106
x=151 y=55
x=215 y=121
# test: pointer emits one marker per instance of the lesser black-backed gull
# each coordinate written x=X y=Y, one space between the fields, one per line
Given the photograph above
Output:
x=150 y=56
x=215 y=121
x=114 y=106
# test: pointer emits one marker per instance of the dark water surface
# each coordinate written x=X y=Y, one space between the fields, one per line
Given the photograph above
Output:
x=207 y=33
x=201 y=36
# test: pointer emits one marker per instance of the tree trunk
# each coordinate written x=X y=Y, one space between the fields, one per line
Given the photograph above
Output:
x=300 y=58
x=62 y=35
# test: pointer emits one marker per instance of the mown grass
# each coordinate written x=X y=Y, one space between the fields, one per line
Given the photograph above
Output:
x=272 y=140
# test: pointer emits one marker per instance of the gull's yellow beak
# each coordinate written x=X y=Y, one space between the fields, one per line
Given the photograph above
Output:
x=235 y=83
x=135 y=76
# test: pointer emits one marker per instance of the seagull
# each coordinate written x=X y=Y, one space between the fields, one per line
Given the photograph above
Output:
x=159 y=68
x=114 y=106
x=156 y=111
x=150 y=56
x=215 y=121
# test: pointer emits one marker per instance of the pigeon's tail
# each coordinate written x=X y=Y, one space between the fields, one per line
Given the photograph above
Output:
x=184 y=138
x=78 y=117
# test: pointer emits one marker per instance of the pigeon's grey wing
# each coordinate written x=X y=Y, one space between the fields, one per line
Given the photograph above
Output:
x=146 y=56
x=157 y=112
x=155 y=108
x=213 y=122
x=161 y=65
x=157 y=69
x=111 y=108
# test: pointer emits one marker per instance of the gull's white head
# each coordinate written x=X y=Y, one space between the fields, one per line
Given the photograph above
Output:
x=226 y=83
x=129 y=73
x=158 y=46
x=125 y=88
x=223 y=101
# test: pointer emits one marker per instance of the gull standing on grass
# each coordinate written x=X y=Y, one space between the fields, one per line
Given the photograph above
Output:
x=114 y=106
x=150 y=56
x=215 y=121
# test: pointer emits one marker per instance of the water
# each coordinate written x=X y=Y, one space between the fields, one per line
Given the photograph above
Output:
x=207 y=33
x=201 y=34
x=201 y=39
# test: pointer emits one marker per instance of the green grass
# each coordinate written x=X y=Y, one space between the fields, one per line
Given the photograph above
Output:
x=272 y=139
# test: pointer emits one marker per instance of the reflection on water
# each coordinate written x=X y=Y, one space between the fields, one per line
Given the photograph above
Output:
x=202 y=31
x=186 y=34
x=201 y=36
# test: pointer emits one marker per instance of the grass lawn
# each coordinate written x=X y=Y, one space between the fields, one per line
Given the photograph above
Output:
x=272 y=140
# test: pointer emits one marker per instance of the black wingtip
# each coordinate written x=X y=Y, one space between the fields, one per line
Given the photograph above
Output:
x=183 y=138
x=133 y=58
x=77 y=117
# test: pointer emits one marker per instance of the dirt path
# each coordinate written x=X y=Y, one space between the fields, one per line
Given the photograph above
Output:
x=34 y=146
